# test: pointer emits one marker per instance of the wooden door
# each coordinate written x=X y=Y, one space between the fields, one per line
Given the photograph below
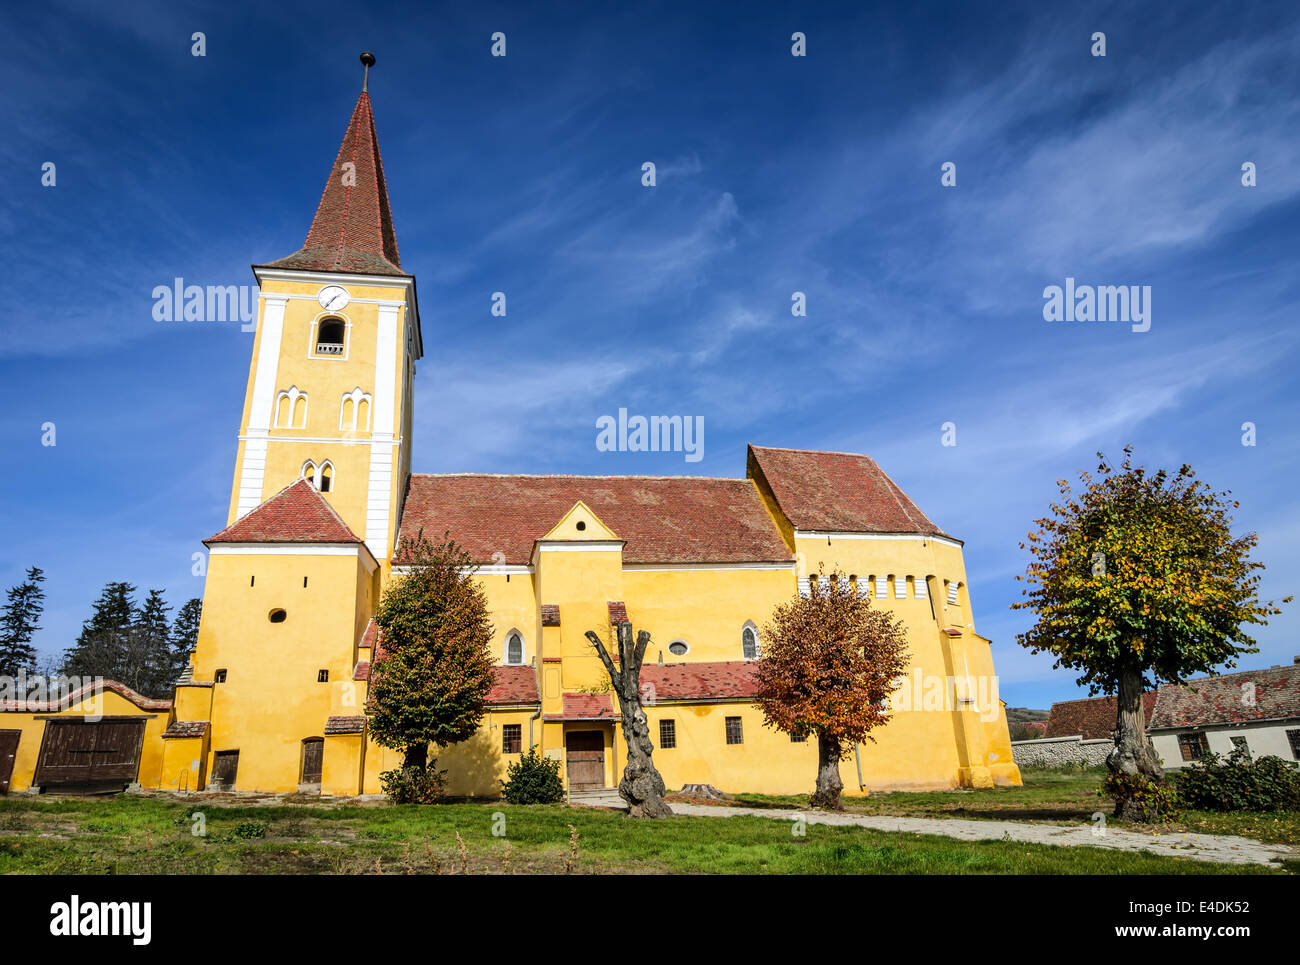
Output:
x=585 y=753
x=8 y=754
x=313 y=756
x=80 y=753
x=224 y=769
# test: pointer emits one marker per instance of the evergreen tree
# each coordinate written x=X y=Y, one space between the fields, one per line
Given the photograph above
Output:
x=185 y=635
x=104 y=642
x=18 y=623
x=149 y=664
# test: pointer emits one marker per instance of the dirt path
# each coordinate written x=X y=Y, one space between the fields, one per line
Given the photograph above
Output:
x=1222 y=849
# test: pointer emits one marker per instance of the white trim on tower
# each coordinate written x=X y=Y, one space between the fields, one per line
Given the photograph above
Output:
x=252 y=472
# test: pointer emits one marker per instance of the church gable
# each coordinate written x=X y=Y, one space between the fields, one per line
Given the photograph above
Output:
x=836 y=492
x=580 y=523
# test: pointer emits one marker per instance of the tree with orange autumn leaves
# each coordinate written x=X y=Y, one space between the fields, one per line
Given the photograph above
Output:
x=828 y=663
x=1137 y=580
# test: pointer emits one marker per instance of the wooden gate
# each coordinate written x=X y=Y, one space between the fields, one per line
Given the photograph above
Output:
x=98 y=754
x=585 y=751
x=8 y=754
x=313 y=756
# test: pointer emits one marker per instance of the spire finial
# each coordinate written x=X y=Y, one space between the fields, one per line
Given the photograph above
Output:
x=368 y=59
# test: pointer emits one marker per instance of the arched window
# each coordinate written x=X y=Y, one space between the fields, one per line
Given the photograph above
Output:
x=330 y=334
x=514 y=649
x=322 y=476
x=354 y=412
x=291 y=409
x=749 y=642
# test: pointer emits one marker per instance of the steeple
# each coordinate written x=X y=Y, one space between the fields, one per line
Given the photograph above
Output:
x=353 y=228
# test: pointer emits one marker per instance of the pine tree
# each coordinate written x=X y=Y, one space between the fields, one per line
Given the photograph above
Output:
x=103 y=645
x=18 y=624
x=149 y=666
x=185 y=635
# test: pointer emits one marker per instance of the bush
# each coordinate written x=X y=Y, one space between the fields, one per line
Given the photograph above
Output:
x=1154 y=802
x=1240 y=784
x=414 y=785
x=246 y=830
x=533 y=779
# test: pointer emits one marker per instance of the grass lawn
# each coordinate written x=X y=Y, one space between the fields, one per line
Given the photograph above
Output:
x=131 y=835
x=1054 y=797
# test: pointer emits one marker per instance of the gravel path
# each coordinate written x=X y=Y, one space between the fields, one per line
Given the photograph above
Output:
x=1223 y=849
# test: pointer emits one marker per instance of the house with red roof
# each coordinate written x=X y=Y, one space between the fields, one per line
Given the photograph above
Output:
x=324 y=499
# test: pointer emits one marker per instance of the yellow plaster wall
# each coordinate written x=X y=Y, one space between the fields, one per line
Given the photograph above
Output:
x=271 y=699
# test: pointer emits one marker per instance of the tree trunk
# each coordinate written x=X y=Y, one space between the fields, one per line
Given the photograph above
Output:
x=642 y=787
x=829 y=785
x=1133 y=755
x=417 y=755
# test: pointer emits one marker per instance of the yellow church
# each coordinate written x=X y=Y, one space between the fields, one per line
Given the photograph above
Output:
x=323 y=494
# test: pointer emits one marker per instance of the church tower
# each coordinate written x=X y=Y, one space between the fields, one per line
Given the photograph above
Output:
x=273 y=693
x=338 y=334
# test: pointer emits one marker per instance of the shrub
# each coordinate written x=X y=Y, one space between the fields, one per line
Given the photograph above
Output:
x=1240 y=784
x=247 y=830
x=533 y=779
x=1153 y=801
x=414 y=785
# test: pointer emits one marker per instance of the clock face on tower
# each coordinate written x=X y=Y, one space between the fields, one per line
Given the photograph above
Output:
x=332 y=298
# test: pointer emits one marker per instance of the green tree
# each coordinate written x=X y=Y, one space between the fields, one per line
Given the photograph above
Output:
x=185 y=634
x=19 y=623
x=103 y=645
x=149 y=665
x=829 y=661
x=430 y=683
x=1138 y=580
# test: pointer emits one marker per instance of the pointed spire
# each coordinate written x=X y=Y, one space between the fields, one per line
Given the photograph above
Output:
x=353 y=228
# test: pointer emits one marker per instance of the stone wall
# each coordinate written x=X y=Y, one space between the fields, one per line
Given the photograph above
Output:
x=1061 y=752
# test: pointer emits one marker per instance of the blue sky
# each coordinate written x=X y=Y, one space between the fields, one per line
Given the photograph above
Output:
x=776 y=174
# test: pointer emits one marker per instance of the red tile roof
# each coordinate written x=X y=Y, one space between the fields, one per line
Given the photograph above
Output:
x=1233 y=698
x=68 y=700
x=353 y=227
x=837 y=492
x=185 y=728
x=701 y=681
x=1092 y=717
x=513 y=685
x=579 y=706
x=662 y=519
x=296 y=514
x=345 y=725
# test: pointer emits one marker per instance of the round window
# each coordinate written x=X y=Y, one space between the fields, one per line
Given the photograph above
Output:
x=678 y=648
x=581 y=525
x=277 y=616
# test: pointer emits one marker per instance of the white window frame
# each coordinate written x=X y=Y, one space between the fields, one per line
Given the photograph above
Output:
x=347 y=336
x=671 y=643
x=356 y=397
x=523 y=649
x=293 y=394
